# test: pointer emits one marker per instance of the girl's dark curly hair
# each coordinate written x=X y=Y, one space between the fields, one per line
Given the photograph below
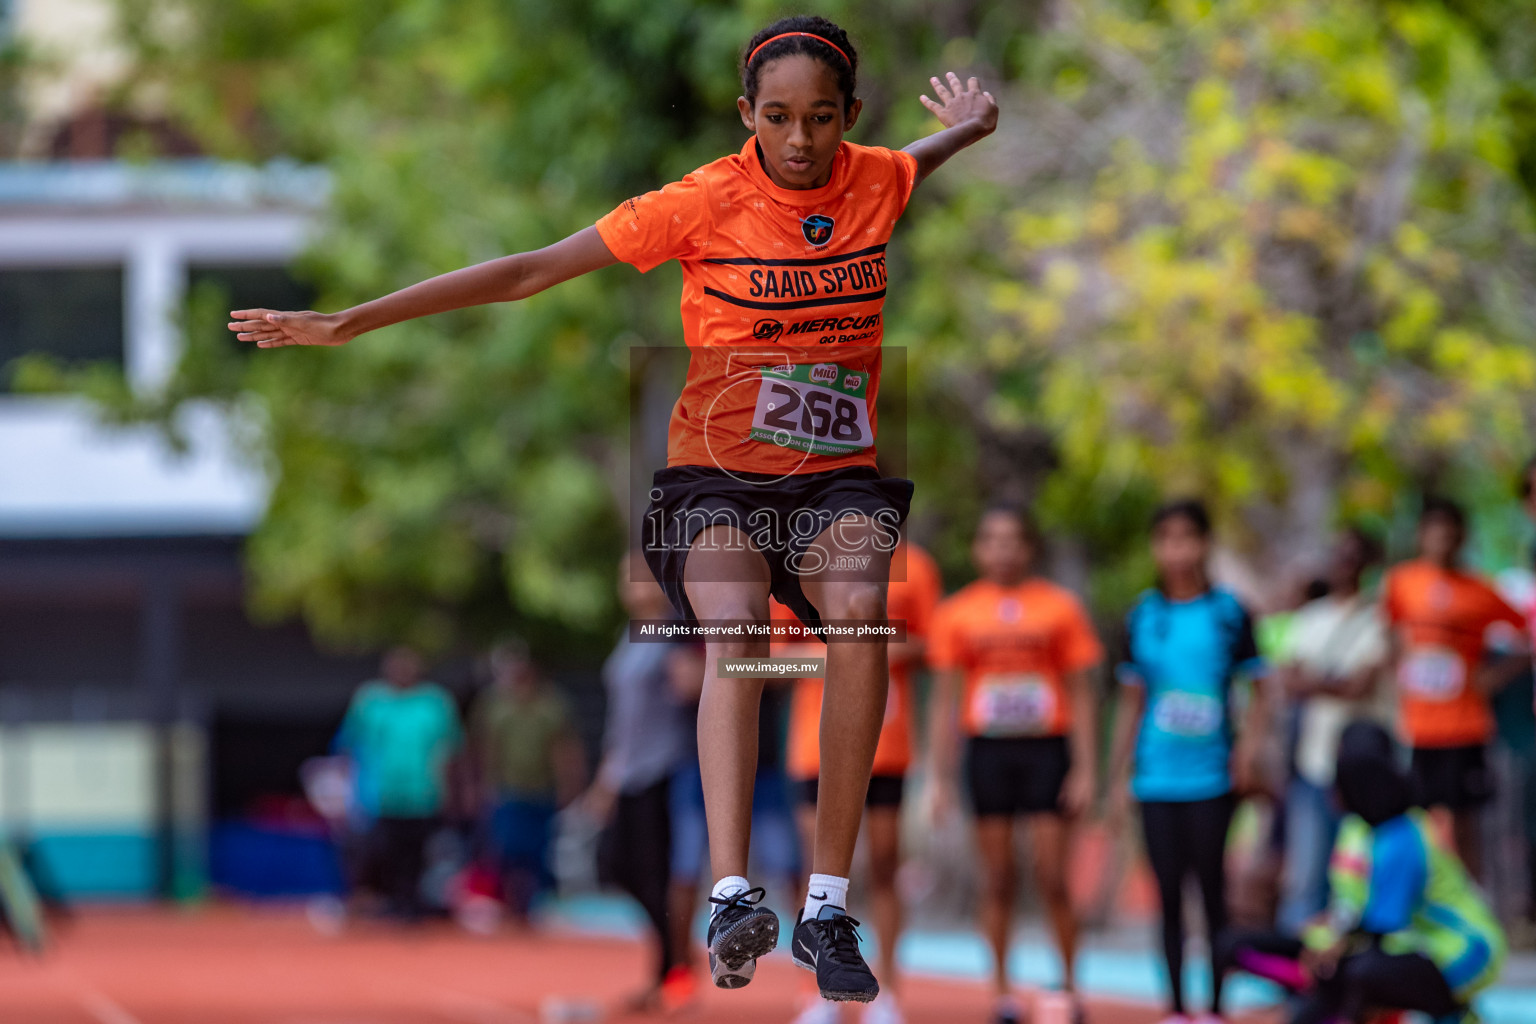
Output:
x=822 y=41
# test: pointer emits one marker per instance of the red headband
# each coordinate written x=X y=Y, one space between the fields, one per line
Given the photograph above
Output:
x=785 y=35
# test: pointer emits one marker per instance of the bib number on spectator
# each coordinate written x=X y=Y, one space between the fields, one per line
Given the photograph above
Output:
x=818 y=408
x=1433 y=673
x=1188 y=715
x=1021 y=704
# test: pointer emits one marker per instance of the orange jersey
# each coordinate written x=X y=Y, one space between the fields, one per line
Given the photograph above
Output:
x=1015 y=647
x=783 y=293
x=1443 y=621
x=913 y=600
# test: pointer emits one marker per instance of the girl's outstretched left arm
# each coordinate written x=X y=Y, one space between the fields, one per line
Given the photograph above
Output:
x=968 y=115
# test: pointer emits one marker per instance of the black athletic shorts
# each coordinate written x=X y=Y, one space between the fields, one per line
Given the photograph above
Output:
x=1011 y=776
x=782 y=515
x=1454 y=777
x=884 y=791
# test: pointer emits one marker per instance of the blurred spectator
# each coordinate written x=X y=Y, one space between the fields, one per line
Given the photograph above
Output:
x=1446 y=621
x=1256 y=861
x=1189 y=645
x=1331 y=668
x=911 y=598
x=403 y=734
x=775 y=843
x=1013 y=656
x=1513 y=709
x=642 y=740
x=530 y=763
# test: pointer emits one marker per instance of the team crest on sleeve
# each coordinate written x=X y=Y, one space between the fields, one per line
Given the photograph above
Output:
x=817 y=228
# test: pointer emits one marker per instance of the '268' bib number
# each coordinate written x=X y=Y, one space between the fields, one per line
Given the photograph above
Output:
x=818 y=408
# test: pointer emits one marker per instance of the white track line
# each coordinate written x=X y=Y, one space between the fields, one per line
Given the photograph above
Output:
x=102 y=1008
x=479 y=1010
x=92 y=1000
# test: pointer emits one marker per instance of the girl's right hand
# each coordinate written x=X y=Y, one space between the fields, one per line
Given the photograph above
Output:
x=270 y=328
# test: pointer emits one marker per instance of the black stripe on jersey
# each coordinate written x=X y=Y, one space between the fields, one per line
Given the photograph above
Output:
x=803 y=304
x=753 y=261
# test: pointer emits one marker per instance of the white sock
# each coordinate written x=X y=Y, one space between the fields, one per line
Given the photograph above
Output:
x=825 y=891
x=727 y=887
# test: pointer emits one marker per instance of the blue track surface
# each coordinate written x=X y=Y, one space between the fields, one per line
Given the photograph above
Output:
x=1134 y=974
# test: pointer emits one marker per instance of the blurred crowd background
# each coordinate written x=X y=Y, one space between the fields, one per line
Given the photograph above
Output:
x=1279 y=254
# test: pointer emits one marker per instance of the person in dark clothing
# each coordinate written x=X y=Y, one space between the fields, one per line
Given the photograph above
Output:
x=642 y=741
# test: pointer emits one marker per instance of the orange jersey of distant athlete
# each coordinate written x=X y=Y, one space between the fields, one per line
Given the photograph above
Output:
x=1443 y=620
x=774 y=277
x=912 y=600
x=1014 y=646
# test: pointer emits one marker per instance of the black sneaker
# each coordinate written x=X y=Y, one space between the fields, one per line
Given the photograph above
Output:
x=740 y=932
x=829 y=945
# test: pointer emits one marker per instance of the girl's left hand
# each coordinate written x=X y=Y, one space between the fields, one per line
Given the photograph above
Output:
x=958 y=104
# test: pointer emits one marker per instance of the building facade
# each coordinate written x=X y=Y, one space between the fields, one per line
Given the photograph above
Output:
x=139 y=704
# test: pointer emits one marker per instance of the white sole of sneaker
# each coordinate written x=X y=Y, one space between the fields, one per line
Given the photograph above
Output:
x=835 y=997
x=736 y=949
x=849 y=997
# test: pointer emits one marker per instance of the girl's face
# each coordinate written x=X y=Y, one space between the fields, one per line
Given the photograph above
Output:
x=1440 y=539
x=1179 y=548
x=799 y=120
x=1002 y=551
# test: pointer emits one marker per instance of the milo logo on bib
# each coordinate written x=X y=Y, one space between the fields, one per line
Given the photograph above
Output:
x=1190 y=715
x=818 y=408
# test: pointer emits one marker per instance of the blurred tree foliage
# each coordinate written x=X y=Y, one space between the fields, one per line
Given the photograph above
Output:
x=439 y=477
x=1278 y=252
x=1273 y=252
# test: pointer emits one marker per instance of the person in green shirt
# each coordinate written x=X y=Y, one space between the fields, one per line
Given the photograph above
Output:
x=403 y=736
x=529 y=762
x=1406 y=927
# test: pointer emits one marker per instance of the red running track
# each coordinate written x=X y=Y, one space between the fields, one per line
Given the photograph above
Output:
x=241 y=965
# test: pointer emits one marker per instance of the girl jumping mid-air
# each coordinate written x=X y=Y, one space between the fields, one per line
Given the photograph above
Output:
x=770 y=485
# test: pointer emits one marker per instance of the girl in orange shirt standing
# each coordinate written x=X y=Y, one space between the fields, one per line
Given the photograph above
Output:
x=1013 y=656
x=770 y=485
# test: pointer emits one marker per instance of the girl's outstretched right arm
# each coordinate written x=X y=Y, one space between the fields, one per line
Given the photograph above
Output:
x=499 y=280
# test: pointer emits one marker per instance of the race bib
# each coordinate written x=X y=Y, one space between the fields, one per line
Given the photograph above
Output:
x=1021 y=704
x=1433 y=673
x=813 y=407
x=1194 y=716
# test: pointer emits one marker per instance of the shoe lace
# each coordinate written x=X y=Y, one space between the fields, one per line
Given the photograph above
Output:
x=840 y=936
x=741 y=900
